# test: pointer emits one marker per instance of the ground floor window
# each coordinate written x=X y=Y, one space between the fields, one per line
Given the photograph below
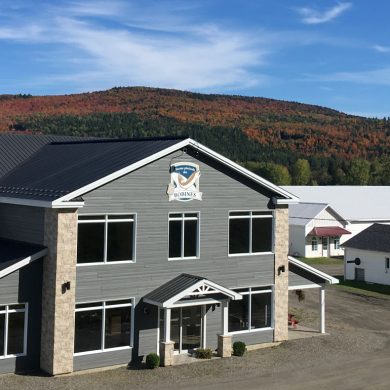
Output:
x=253 y=312
x=314 y=244
x=100 y=326
x=13 y=330
x=336 y=242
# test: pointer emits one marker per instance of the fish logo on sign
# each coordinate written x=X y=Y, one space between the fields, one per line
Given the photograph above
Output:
x=184 y=185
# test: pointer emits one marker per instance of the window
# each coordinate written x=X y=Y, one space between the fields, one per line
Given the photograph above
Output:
x=250 y=232
x=103 y=326
x=314 y=244
x=387 y=263
x=183 y=236
x=105 y=238
x=13 y=330
x=336 y=242
x=251 y=313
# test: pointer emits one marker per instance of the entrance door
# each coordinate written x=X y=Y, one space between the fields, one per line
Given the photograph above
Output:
x=325 y=246
x=186 y=328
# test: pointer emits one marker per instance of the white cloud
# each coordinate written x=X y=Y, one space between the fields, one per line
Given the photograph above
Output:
x=139 y=47
x=381 y=49
x=313 y=16
x=375 y=77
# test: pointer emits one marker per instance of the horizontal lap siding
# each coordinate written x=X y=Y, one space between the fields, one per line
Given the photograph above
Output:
x=22 y=223
x=144 y=192
x=85 y=362
x=262 y=336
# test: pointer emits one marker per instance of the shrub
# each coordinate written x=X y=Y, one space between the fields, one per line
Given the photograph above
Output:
x=203 y=353
x=239 y=348
x=152 y=360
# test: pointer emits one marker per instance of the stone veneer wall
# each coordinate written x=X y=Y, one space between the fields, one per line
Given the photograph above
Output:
x=59 y=266
x=281 y=281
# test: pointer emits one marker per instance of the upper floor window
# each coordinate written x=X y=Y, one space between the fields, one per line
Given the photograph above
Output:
x=250 y=232
x=105 y=238
x=103 y=325
x=183 y=235
x=13 y=330
x=314 y=244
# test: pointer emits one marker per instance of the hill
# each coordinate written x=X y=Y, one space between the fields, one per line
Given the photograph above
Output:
x=259 y=132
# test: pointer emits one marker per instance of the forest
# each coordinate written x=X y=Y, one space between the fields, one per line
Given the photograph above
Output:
x=285 y=142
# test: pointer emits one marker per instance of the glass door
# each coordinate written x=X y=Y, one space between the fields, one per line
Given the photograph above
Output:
x=186 y=328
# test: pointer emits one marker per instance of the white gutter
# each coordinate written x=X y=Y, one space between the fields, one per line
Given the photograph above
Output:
x=330 y=279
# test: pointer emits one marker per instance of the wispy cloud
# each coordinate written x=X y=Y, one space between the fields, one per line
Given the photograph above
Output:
x=381 y=49
x=374 y=77
x=315 y=16
x=136 y=46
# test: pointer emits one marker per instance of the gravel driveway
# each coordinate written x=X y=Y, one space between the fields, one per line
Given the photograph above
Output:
x=354 y=356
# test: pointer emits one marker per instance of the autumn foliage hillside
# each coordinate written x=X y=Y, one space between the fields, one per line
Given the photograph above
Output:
x=257 y=127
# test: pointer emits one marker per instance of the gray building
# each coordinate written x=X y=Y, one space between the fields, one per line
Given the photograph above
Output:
x=112 y=249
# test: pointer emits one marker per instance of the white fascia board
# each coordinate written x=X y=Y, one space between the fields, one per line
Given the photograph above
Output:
x=22 y=263
x=67 y=205
x=330 y=279
x=303 y=287
x=122 y=172
x=26 y=202
x=290 y=197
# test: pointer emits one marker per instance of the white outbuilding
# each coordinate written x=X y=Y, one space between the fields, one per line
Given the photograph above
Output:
x=367 y=255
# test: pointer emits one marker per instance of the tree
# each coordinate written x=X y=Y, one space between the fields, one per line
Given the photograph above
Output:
x=358 y=172
x=301 y=172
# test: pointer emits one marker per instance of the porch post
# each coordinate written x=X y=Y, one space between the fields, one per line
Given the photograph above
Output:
x=167 y=346
x=322 y=309
x=224 y=339
x=224 y=317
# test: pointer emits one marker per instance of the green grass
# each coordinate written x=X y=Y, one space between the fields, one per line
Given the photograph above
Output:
x=363 y=288
x=322 y=260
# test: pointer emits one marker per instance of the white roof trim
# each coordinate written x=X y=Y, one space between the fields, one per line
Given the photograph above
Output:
x=290 y=198
x=41 y=203
x=312 y=270
x=22 y=263
x=203 y=282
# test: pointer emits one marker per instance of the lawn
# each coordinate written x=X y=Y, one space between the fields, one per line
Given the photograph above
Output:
x=361 y=287
x=322 y=260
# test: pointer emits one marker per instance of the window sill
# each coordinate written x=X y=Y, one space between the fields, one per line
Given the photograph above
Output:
x=250 y=331
x=106 y=263
x=12 y=356
x=182 y=258
x=250 y=254
x=102 y=351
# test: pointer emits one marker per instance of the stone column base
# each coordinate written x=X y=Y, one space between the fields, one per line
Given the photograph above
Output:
x=166 y=353
x=224 y=345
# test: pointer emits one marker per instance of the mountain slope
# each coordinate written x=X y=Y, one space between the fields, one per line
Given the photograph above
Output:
x=244 y=128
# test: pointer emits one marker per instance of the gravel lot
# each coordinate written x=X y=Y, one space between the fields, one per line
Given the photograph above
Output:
x=354 y=356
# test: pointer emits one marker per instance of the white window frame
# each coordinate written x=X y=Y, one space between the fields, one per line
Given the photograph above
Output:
x=102 y=305
x=336 y=243
x=250 y=293
x=183 y=218
x=250 y=216
x=6 y=311
x=314 y=244
x=105 y=218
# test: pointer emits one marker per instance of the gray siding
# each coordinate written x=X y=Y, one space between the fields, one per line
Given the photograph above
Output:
x=143 y=192
x=22 y=223
x=259 y=337
x=85 y=362
x=24 y=286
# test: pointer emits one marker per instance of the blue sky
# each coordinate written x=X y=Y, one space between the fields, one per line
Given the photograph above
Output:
x=330 y=53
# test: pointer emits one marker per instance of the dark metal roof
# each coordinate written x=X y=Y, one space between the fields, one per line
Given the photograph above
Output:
x=328 y=231
x=172 y=288
x=11 y=252
x=60 y=168
x=16 y=148
x=375 y=238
